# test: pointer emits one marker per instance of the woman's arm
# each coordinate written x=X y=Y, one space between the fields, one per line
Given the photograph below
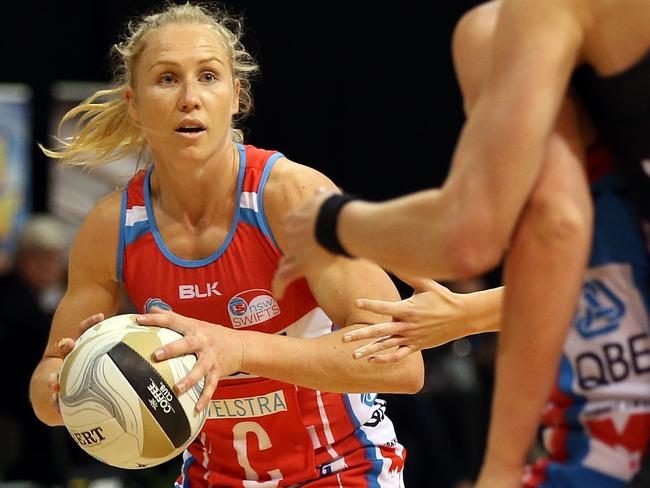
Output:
x=322 y=363
x=464 y=228
x=336 y=283
x=92 y=290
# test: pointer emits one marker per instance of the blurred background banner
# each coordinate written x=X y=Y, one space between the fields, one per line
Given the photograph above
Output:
x=73 y=191
x=15 y=163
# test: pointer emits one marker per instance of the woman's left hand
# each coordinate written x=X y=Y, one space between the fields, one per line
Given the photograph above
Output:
x=219 y=350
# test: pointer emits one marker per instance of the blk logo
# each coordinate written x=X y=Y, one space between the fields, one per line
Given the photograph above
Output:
x=186 y=292
x=599 y=311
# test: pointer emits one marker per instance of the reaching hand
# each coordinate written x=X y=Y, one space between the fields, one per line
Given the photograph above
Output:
x=301 y=251
x=431 y=317
x=219 y=350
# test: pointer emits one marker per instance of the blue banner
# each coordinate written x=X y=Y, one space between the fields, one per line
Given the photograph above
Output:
x=15 y=163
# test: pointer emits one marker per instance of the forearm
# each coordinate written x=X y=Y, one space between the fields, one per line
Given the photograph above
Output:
x=326 y=364
x=484 y=310
x=40 y=394
x=462 y=229
x=413 y=235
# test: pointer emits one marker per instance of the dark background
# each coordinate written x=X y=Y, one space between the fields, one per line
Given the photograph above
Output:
x=362 y=90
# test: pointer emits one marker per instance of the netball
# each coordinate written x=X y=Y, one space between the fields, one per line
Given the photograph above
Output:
x=118 y=403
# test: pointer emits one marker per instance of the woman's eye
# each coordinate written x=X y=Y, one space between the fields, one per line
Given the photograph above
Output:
x=166 y=79
x=209 y=77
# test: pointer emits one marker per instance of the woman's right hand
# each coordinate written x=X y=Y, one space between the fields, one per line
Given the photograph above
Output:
x=433 y=316
x=63 y=348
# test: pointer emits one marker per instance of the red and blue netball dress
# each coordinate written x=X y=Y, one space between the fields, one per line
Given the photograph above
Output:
x=597 y=422
x=261 y=432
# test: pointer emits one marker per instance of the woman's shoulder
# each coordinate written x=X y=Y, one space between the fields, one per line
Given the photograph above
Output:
x=291 y=182
x=96 y=245
x=100 y=228
x=290 y=185
x=107 y=210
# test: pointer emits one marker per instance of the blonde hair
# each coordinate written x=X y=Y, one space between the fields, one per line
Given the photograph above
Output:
x=104 y=131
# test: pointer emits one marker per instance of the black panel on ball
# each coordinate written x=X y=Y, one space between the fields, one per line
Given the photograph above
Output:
x=154 y=392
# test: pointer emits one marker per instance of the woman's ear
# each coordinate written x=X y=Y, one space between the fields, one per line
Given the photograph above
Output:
x=129 y=96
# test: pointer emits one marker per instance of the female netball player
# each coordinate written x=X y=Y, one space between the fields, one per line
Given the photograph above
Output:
x=194 y=240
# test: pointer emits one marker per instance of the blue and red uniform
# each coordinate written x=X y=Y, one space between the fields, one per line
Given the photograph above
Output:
x=597 y=421
x=261 y=432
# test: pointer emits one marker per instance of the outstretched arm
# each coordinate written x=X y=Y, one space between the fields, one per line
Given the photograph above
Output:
x=430 y=318
x=464 y=228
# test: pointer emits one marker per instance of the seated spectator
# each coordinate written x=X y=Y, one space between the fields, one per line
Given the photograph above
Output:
x=29 y=293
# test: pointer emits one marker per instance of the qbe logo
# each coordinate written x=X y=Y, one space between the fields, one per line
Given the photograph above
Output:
x=600 y=310
x=252 y=307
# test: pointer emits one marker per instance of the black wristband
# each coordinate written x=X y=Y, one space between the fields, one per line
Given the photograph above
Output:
x=326 y=223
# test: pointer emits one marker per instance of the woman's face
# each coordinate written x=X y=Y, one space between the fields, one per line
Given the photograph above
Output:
x=184 y=95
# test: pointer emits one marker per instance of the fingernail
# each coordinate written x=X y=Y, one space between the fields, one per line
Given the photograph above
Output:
x=139 y=317
x=159 y=354
x=180 y=388
x=199 y=407
x=347 y=338
x=357 y=354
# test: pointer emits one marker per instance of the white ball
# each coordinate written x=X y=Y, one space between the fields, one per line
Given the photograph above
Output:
x=117 y=402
